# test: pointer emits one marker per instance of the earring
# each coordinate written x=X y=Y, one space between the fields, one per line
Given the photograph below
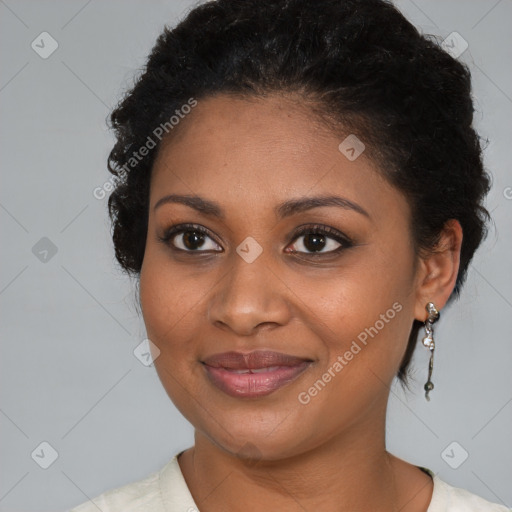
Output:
x=428 y=341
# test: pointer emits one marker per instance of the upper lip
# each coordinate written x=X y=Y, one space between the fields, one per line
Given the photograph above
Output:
x=252 y=360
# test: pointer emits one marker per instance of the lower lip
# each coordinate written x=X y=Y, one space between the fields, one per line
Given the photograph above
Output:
x=246 y=385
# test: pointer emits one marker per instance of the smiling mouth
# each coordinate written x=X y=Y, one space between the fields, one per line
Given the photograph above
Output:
x=254 y=370
x=254 y=374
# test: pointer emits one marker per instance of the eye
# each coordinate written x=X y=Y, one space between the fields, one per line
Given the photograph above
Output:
x=190 y=238
x=311 y=240
x=319 y=240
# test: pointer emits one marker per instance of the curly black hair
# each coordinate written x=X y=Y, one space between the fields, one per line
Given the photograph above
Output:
x=359 y=64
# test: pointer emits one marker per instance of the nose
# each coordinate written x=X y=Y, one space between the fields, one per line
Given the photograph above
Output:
x=249 y=298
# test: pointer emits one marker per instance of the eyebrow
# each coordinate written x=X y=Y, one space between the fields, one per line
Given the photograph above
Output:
x=283 y=210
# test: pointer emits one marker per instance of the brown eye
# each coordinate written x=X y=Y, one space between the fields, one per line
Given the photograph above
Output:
x=319 y=240
x=315 y=242
x=193 y=239
x=190 y=238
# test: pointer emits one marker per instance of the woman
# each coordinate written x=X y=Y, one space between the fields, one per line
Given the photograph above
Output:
x=299 y=190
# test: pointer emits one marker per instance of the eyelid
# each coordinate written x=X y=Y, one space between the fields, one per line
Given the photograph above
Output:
x=330 y=232
x=178 y=229
x=324 y=229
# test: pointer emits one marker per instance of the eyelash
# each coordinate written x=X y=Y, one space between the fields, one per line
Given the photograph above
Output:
x=314 y=229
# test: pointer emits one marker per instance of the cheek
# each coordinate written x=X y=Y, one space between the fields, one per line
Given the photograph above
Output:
x=364 y=324
x=364 y=336
x=170 y=315
x=167 y=306
x=363 y=314
x=170 y=297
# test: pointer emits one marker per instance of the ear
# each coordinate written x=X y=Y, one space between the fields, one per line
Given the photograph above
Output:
x=437 y=272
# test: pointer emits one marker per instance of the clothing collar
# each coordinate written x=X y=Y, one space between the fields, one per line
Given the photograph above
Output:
x=176 y=494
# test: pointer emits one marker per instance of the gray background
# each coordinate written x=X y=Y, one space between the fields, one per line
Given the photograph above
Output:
x=69 y=324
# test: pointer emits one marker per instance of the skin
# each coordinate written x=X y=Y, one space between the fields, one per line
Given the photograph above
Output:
x=249 y=156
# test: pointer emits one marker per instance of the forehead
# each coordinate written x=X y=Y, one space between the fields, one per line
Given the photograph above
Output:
x=264 y=150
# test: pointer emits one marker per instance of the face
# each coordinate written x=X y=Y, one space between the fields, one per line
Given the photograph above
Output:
x=256 y=260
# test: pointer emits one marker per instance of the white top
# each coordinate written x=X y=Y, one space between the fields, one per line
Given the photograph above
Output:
x=167 y=491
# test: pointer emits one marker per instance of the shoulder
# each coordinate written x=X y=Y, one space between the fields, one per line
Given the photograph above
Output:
x=446 y=498
x=160 y=491
x=142 y=495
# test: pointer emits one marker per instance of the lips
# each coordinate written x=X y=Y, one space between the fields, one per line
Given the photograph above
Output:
x=253 y=374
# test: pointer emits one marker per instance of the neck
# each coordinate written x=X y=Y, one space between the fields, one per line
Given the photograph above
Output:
x=352 y=471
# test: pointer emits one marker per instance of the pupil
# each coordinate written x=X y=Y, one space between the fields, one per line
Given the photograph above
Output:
x=314 y=242
x=193 y=237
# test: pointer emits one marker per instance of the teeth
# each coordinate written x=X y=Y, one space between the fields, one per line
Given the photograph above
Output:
x=253 y=370
x=262 y=370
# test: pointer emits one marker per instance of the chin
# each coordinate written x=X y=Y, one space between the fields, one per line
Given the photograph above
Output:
x=253 y=442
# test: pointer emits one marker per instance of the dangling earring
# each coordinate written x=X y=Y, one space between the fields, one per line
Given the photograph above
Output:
x=428 y=341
